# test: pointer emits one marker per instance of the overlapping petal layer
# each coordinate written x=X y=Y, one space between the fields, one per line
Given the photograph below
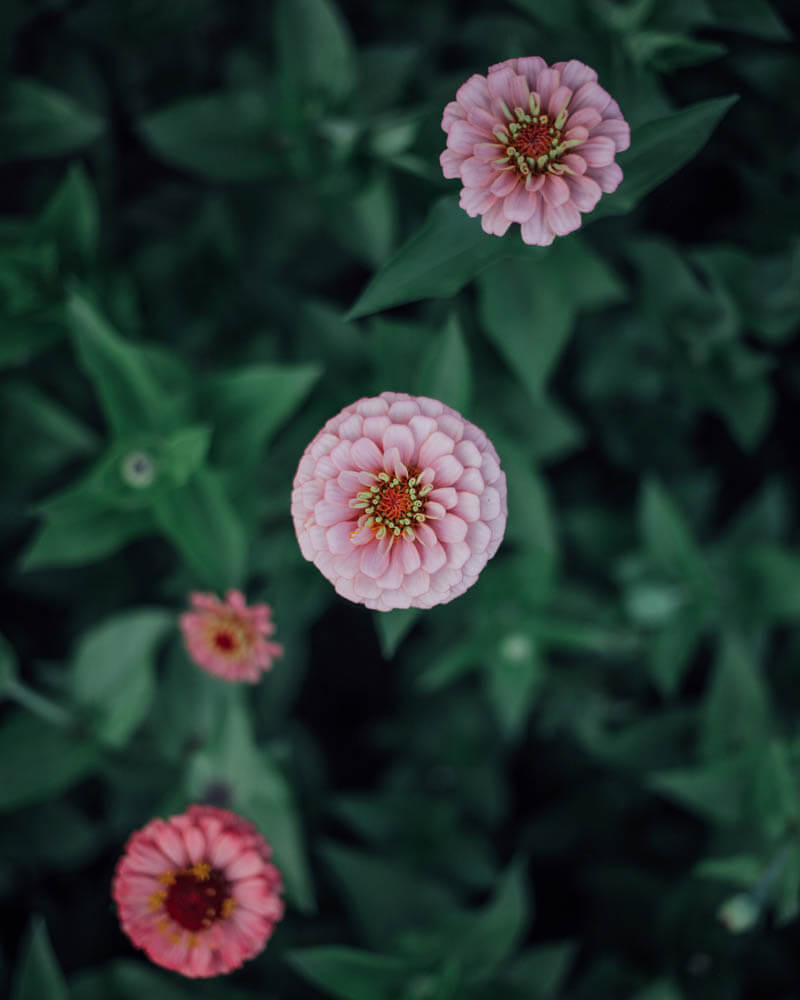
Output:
x=400 y=502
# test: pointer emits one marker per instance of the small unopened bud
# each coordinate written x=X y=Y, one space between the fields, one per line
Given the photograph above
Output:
x=138 y=469
x=739 y=913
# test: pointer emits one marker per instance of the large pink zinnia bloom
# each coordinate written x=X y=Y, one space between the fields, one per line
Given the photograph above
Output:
x=400 y=502
x=228 y=638
x=197 y=891
x=533 y=144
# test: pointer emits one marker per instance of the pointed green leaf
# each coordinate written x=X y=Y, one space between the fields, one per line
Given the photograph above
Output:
x=737 y=708
x=445 y=370
x=316 y=54
x=351 y=974
x=72 y=218
x=659 y=149
x=666 y=535
x=393 y=626
x=36 y=121
x=38 y=973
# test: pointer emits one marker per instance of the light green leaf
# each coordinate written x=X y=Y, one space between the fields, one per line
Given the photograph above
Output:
x=248 y=406
x=659 y=149
x=528 y=307
x=72 y=218
x=666 y=535
x=750 y=17
x=541 y=970
x=736 y=709
x=666 y=51
x=513 y=678
x=743 y=870
x=445 y=370
x=775 y=792
x=223 y=137
x=351 y=974
x=112 y=675
x=36 y=121
x=53 y=760
x=38 y=976
x=392 y=627
x=316 y=54
x=77 y=540
x=440 y=259
x=125 y=386
x=203 y=524
x=772 y=574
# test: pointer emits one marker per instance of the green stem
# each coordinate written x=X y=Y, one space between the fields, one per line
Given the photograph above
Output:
x=37 y=703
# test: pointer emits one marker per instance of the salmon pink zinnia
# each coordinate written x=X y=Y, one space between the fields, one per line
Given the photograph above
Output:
x=197 y=891
x=400 y=502
x=533 y=144
x=227 y=638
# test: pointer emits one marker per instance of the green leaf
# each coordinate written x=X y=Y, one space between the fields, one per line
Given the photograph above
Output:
x=316 y=54
x=736 y=710
x=445 y=371
x=659 y=149
x=248 y=406
x=528 y=307
x=125 y=386
x=203 y=524
x=112 y=675
x=663 y=989
x=392 y=627
x=666 y=51
x=750 y=17
x=72 y=218
x=742 y=870
x=351 y=974
x=81 y=539
x=489 y=937
x=223 y=137
x=772 y=577
x=39 y=975
x=132 y=980
x=775 y=792
x=8 y=665
x=53 y=760
x=538 y=973
x=440 y=259
x=666 y=535
x=513 y=678
x=36 y=121
x=366 y=882
x=715 y=792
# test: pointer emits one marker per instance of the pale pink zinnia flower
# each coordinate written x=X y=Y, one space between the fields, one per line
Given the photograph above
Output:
x=197 y=891
x=227 y=638
x=400 y=502
x=533 y=144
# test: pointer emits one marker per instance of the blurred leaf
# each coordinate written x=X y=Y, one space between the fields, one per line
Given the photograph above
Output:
x=528 y=307
x=787 y=890
x=659 y=149
x=392 y=627
x=39 y=760
x=540 y=970
x=560 y=17
x=671 y=650
x=125 y=979
x=365 y=882
x=743 y=870
x=203 y=524
x=248 y=405
x=222 y=137
x=513 y=678
x=24 y=337
x=72 y=218
x=77 y=540
x=316 y=56
x=113 y=675
x=36 y=121
x=667 y=51
x=661 y=990
x=530 y=520
x=736 y=707
x=351 y=974
x=445 y=371
x=127 y=392
x=716 y=791
x=366 y=224
x=750 y=17
x=773 y=579
x=38 y=974
x=775 y=792
x=445 y=253
x=666 y=535
x=8 y=665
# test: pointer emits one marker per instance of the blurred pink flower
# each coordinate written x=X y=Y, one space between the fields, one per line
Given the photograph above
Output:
x=226 y=638
x=400 y=502
x=533 y=144
x=197 y=891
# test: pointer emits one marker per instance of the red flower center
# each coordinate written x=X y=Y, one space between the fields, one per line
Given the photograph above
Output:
x=225 y=641
x=395 y=502
x=198 y=896
x=534 y=140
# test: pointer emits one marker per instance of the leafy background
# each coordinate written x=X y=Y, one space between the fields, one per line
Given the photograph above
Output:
x=220 y=224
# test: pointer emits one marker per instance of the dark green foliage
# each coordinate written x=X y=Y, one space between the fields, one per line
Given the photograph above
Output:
x=219 y=224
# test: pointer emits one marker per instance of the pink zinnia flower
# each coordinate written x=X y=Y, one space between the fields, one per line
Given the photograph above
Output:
x=533 y=144
x=226 y=638
x=400 y=502
x=197 y=891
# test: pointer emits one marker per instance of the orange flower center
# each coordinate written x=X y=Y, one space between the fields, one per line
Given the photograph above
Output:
x=194 y=897
x=534 y=140
x=392 y=506
x=394 y=503
x=225 y=640
x=228 y=635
